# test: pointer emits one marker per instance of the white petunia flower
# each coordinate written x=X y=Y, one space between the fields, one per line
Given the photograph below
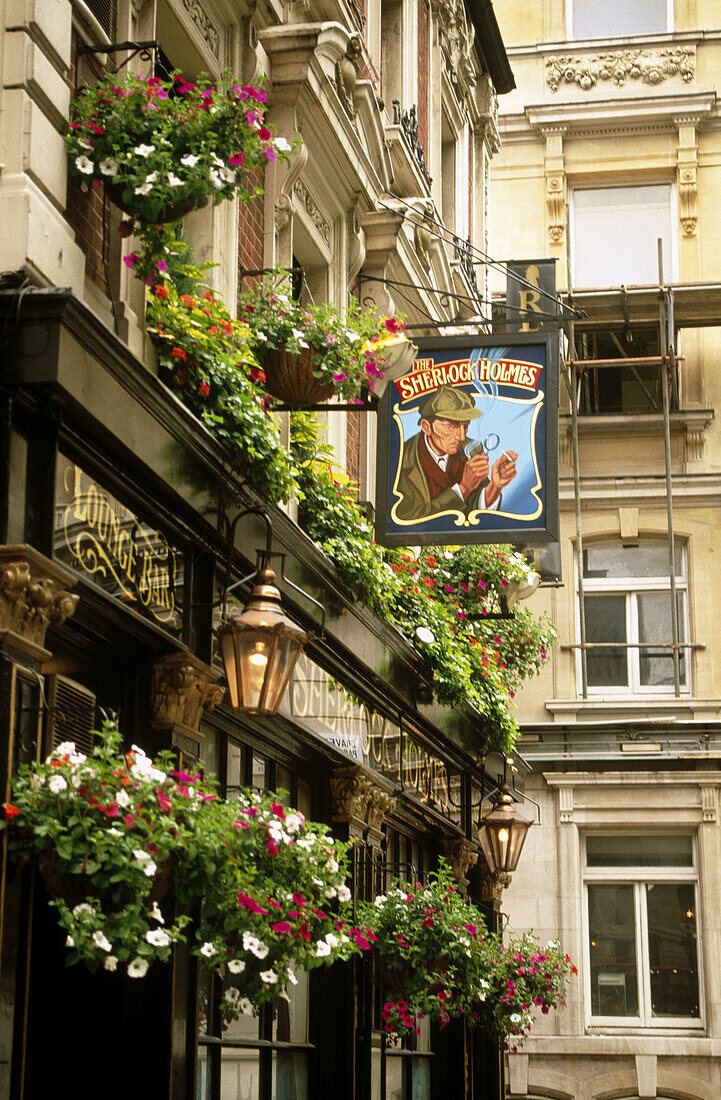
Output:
x=111 y=963
x=516 y=1018
x=69 y=941
x=254 y=945
x=260 y=336
x=109 y=167
x=190 y=161
x=144 y=150
x=67 y=748
x=138 y=968
x=215 y=178
x=331 y=892
x=84 y=907
x=38 y=781
x=156 y=914
x=380 y=900
x=174 y=181
x=333 y=866
x=56 y=784
x=144 y=189
x=101 y=940
x=281 y=145
x=268 y=976
x=352 y=336
x=157 y=937
x=322 y=949
x=291 y=977
x=209 y=950
x=293 y=822
x=331 y=940
x=83 y=164
x=236 y=966
x=86 y=145
x=297 y=333
x=344 y=893
x=122 y=799
x=245 y=1006
x=423 y=634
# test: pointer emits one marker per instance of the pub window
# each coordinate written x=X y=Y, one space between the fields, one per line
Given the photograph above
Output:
x=263 y=1057
x=618 y=18
x=641 y=897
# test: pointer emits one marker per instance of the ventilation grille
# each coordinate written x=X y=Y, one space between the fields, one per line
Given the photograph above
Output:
x=104 y=12
x=72 y=713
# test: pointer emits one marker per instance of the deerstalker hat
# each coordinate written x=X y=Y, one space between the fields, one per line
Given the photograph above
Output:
x=448 y=403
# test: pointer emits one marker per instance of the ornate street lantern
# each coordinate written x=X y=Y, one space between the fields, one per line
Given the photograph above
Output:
x=259 y=647
x=502 y=833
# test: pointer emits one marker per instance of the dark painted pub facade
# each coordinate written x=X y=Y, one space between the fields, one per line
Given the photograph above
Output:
x=113 y=493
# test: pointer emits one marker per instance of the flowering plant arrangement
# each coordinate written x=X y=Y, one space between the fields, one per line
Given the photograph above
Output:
x=259 y=890
x=164 y=147
x=439 y=960
x=350 y=348
x=431 y=944
x=106 y=842
x=523 y=976
x=205 y=358
x=277 y=901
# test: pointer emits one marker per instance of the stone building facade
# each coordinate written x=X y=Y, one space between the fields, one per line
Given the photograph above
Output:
x=611 y=143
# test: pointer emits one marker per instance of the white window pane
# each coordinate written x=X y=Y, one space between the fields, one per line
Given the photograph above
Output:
x=672 y=949
x=612 y=950
x=648 y=559
x=654 y=625
x=606 y=622
x=617 y=18
x=615 y=235
x=662 y=850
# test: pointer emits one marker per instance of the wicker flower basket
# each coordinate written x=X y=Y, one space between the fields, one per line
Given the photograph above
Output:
x=290 y=378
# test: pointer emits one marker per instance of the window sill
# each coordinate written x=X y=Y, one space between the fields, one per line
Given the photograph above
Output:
x=685 y=1045
x=636 y=706
x=696 y=420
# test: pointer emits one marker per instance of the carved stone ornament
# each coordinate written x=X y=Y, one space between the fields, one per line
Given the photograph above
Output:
x=182 y=689
x=646 y=66
x=33 y=596
x=346 y=74
x=462 y=854
x=493 y=885
x=205 y=25
x=456 y=38
x=358 y=800
x=306 y=200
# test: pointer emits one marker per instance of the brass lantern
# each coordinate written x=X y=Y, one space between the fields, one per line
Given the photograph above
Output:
x=502 y=833
x=260 y=647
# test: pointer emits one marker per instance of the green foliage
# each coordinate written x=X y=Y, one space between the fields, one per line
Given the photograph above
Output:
x=204 y=356
x=439 y=960
x=352 y=347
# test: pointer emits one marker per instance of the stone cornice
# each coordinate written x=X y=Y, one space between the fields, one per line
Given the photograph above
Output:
x=599 y=45
x=624 y=115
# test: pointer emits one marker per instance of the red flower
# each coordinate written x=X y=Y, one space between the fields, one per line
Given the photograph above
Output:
x=282 y=928
x=187 y=300
x=203 y=389
x=391 y=325
x=178 y=353
x=264 y=133
x=160 y=291
x=10 y=810
x=125 y=229
x=257 y=375
x=209 y=297
x=163 y=800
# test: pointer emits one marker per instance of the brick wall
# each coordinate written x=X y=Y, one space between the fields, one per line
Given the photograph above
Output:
x=423 y=48
x=89 y=212
x=352 y=446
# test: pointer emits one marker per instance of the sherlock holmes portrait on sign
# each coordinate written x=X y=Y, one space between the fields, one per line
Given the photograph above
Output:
x=468 y=443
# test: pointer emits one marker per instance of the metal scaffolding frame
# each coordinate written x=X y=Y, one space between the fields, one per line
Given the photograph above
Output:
x=573 y=370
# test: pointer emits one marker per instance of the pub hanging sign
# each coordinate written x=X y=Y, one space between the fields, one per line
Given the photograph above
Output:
x=468 y=442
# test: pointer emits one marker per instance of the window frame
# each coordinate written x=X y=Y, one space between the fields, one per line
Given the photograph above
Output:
x=599 y=38
x=631 y=587
x=670 y=262
x=639 y=877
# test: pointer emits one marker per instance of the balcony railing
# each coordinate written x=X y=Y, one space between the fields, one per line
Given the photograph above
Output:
x=408 y=122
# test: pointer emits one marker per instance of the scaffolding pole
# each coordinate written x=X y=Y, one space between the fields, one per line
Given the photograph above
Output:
x=666 y=341
x=573 y=386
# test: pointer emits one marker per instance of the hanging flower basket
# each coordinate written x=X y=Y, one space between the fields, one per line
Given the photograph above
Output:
x=173 y=212
x=311 y=352
x=289 y=377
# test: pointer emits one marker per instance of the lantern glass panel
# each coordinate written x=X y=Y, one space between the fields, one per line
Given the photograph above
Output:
x=280 y=666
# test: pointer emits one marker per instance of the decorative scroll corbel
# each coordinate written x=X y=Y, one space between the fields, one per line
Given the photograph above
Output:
x=346 y=74
x=462 y=854
x=492 y=886
x=33 y=596
x=183 y=688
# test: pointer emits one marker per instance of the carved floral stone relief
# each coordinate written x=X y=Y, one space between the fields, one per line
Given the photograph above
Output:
x=619 y=66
